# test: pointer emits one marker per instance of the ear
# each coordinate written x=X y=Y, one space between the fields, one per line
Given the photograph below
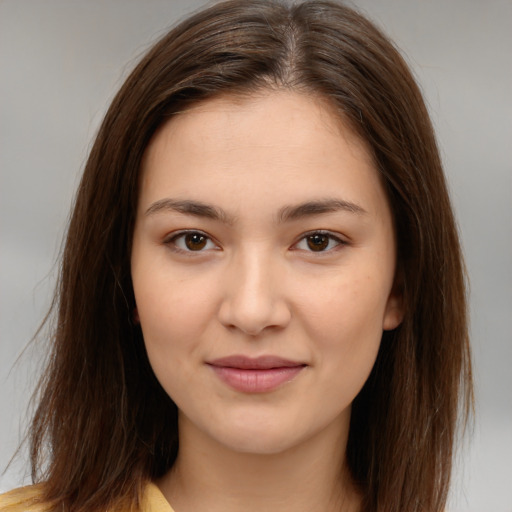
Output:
x=135 y=316
x=395 y=309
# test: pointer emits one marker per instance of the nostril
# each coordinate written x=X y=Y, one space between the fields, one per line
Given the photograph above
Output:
x=252 y=318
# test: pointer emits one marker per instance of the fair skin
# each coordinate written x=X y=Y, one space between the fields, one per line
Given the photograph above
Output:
x=263 y=267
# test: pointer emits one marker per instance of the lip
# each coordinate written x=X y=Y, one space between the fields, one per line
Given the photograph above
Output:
x=255 y=375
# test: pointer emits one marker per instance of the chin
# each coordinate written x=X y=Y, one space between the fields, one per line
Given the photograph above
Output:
x=258 y=436
x=263 y=435
x=260 y=443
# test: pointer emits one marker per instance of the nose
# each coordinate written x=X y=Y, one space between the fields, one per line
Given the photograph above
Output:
x=254 y=296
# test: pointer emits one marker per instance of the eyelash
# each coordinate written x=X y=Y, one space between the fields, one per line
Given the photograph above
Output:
x=172 y=241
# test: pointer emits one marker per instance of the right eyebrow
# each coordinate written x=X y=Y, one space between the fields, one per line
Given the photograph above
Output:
x=188 y=207
x=311 y=208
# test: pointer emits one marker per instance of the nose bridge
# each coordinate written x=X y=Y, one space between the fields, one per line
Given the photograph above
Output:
x=254 y=297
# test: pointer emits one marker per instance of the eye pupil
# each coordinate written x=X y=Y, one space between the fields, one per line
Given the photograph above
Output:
x=318 y=242
x=195 y=241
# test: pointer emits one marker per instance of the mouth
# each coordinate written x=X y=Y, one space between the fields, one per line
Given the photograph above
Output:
x=255 y=375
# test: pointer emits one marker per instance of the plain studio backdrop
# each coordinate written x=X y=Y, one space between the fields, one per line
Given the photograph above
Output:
x=61 y=61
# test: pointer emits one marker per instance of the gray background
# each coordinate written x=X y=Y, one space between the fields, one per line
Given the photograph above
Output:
x=61 y=61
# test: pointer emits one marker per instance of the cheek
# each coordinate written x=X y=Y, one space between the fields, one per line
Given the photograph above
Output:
x=345 y=322
x=173 y=314
x=171 y=327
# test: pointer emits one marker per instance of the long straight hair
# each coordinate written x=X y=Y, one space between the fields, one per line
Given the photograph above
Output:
x=104 y=426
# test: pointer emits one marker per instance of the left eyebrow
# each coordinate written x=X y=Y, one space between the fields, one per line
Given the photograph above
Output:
x=188 y=207
x=311 y=208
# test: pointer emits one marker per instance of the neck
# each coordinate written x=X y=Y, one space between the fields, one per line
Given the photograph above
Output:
x=209 y=477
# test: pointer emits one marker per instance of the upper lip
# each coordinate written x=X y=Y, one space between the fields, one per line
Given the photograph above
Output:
x=254 y=363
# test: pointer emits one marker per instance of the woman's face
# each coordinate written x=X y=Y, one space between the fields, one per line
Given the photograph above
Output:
x=263 y=267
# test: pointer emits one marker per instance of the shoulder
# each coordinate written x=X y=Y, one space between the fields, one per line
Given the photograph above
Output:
x=30 y=499
x=153 y=500
x=24 y=499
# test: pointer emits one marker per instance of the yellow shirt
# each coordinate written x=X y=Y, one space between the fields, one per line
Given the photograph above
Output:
x=27 y=499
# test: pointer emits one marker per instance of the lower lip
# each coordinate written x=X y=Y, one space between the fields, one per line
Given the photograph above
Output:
x=256 y=381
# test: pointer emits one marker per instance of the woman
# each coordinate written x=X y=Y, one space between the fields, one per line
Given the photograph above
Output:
x=261 y=302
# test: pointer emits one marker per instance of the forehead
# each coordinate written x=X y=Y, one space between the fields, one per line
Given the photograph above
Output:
x=274 y=140
x=261 y=114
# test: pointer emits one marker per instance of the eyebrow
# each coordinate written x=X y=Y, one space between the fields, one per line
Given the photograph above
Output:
x=287 y=213
x=188 y=207
x=311 y=208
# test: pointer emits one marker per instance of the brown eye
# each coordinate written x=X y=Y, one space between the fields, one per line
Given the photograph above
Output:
x=191 y=241
x=317 y=242
x=320 y=242
x=195 y=241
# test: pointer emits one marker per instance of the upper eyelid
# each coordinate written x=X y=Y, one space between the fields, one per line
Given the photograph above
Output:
x=326 y=232
x=180 y=232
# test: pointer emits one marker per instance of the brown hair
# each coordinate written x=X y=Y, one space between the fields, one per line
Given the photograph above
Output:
x=103 y=420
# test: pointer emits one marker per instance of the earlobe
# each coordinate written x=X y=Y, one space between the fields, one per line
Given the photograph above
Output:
x=395 y=308
x=394 y=313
